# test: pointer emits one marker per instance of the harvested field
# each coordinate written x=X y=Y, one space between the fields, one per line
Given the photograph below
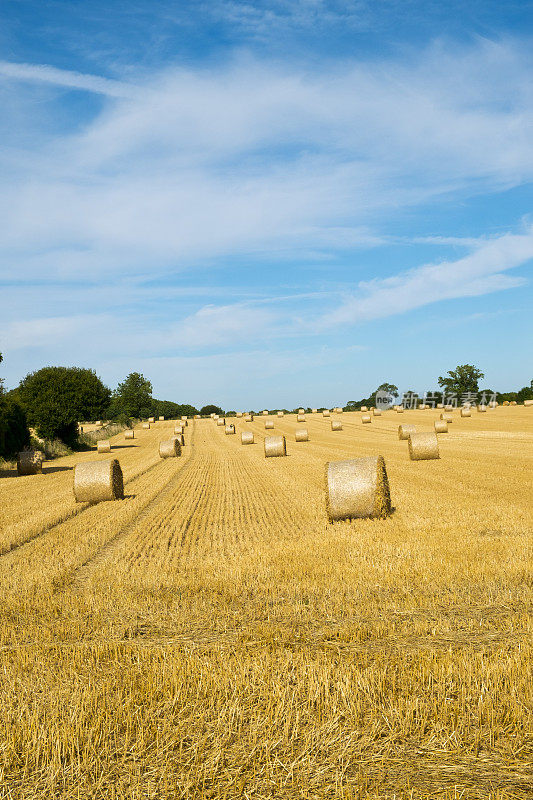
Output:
x=213 y=636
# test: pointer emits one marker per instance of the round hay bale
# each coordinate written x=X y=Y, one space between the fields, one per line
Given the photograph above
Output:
x=404 y=431
x=269 y=424
x=482 y=408
x=364 y=409
x=466 y=412
x=146 y=426
x=180 y=438
x=98 y=423
x=493 y=404
x=314 y=411
x=30 y=462
x=221 y=422
x=212 y=415
x=265 y=413
x=103 y=446
x=247 y=437
x=129 y=434
x=505 y=402
x=339 y=410
x=170 y=448
x=336 y=425
x=366 y=418
x=248 y=418
x=439 y=405
x=275 y=446
x=400 y=409
x=376 y=412
x=325 y=413
x=301 y=411
x=446 y=417
x=184 y=418
x=151 y=419
x=239 y=414
x=161 y=419
x=423 y=446
x=197 y=416
x=300 y=417
x=230 y=429
x=441 y=426
x=423 y=406
x=95 y=481
x=513 y=403
x=301 y=435
x=528 y=402
x=448 y=408
x=178 y=430
x=280 y=413
x=357 y=489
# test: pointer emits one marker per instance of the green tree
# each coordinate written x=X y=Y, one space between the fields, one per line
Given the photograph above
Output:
x=464 y=378
x=57 y=398
x=206 y=410
x=133 y=397
x=14 y=431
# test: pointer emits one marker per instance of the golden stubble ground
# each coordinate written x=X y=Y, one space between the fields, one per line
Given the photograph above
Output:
x=212 y=636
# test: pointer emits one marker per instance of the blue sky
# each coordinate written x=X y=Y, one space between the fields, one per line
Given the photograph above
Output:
x=267 y=204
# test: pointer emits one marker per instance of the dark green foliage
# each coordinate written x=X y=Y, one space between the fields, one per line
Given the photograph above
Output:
x=56 y=398
x=171 y=410
x=355 y=405
x=464 y=378
x=132 y=397
x=14 y=432
x=206 y=410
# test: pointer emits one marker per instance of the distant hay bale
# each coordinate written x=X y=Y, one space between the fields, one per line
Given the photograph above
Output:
x=325 y=413
x=184 y=418
x=95 y=481
x=197 y=416
x=103 y=446
x=30 y=462
x=422 y=406
x=265 y=413
x=98 y=423
x=230 y=429
x=364 y=409
x=448 y=407
x=339 y=410
x=269 y=424
x=482 y=408
x=441 y=426
x=129 y=434
x=239 y=413
x=178 y=430
x=404 y=431
x=357 y=489
x=180 y=438
x=528 y=402
x=301 y=435
x=275 y=446
x=439 y=405
x=366 y=418
x=161 y=419
x=170 y=448
x=376 y=412
x=314 y=411
x=336 y=425
x=146 y=426
x=423 y=446
x=466 y=412
x=505 y=402
x=300 y=417
x=221 y=422
x=280 y=413
x=301 y=411
x=151 y=419
x=248 y=418
x=493 y=404
x=513 y=403
x=446 y=417
x=213 y=415
x=399 y=409
x=247 y=437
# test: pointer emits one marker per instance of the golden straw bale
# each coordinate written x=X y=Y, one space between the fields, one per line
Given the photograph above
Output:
x=269 y=424
x=280 y=413
x=366 y=418
x=247 y=437
x=95 y=481
x=513 y=403
x=446 y=417
x=400 y=409
x=376 y=412
x=239 y=413
x=404 y=431
x=103 y=446
x=146 y=426
x=184 y=418
x=178 y=430
x=180 y=438
x=275 y=446
x=248 y=418
x=493 y=404
x=336 y=425
x=221 y=422
x=129 y=434
x=439 y=405
x=314 y=411
x=364 y=409
x=423 y=446
x=301 y=435
x=300 y=417
x=482 y=408
x=265 y=413
x=170 y=448
x=441 y=426
x=325 y=413
x=98 y=423
x=357 y=489
x=151 y=419
x=213 y=415
x=466 y=412
x=301 y=411
x=422 y=406
x=448 y=407
x=506 y=402
x=161 y=419
x=30 y=462
x=197 y=416
x=230 y=429
x=528 y=402
x=339 y=410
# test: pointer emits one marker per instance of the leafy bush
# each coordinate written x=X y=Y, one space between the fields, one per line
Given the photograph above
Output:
x=14 y=432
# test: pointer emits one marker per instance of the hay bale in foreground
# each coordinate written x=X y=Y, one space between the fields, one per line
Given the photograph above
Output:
x=336 y=425
x=357 y=489
x=376 y=412
x=364 y=409
x=129 y=434
x=423 y=446
x=446 y=417
x=465 y=412
x=96 y=481
x=275 y=446
x=404 y=431
x=30 y=462
x=441 y=426
x=325 y=413
x=103 y=446
x=170 y=448
x=300 y=417
x=146 y=426
x=221 y=422
x=269 y=424
x=229 y=430
x=247 y=437
x=301 y=435
x=366 y=418
x=481 y=408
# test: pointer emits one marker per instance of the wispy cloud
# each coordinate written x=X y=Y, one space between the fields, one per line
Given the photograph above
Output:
x=66 y=78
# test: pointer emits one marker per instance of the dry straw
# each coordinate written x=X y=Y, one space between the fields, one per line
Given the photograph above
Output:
x=357 y=489
x=129 y=435
x=146 y=426
x=336 y=425
x=528 y=402
x=481 y=408
x=161 y=419
x=446 y=417
x=423 y=446
x=506 y=402
x=213 y=415
x=98 y=423
x=103 y=446
x=170 y=448
x=300 y=417
x=493 y=404
x=325 y=413
x=405 y=431
x=314 y=411
x=280 y=413
x=265 y=413
x=465 y=412
x=248 y=418
x=30 y=462
x=179 y=437
x=441 y=426
x=221 y=422
x=339 y=410
x=178 y=430
x=439 y=405
x=95 y=481
x=513 y=403
x=151 y=419
x=269 y=424
x=399 y=409
x=301 y=411
x=448 y=408
x=230 y=429
x=364 y=408
x=275 y=446
x=422 y=406
x=376 y=412
x=239 y=413
x=366 y=418
x=301 y=435
x=247 y=437
x=184 y=419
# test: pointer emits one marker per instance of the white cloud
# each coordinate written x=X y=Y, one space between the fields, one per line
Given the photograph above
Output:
x=66 y=78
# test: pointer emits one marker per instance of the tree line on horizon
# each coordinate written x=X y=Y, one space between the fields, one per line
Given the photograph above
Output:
x=53 y=400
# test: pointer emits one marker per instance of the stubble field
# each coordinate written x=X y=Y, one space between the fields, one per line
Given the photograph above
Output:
x=213 y=636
